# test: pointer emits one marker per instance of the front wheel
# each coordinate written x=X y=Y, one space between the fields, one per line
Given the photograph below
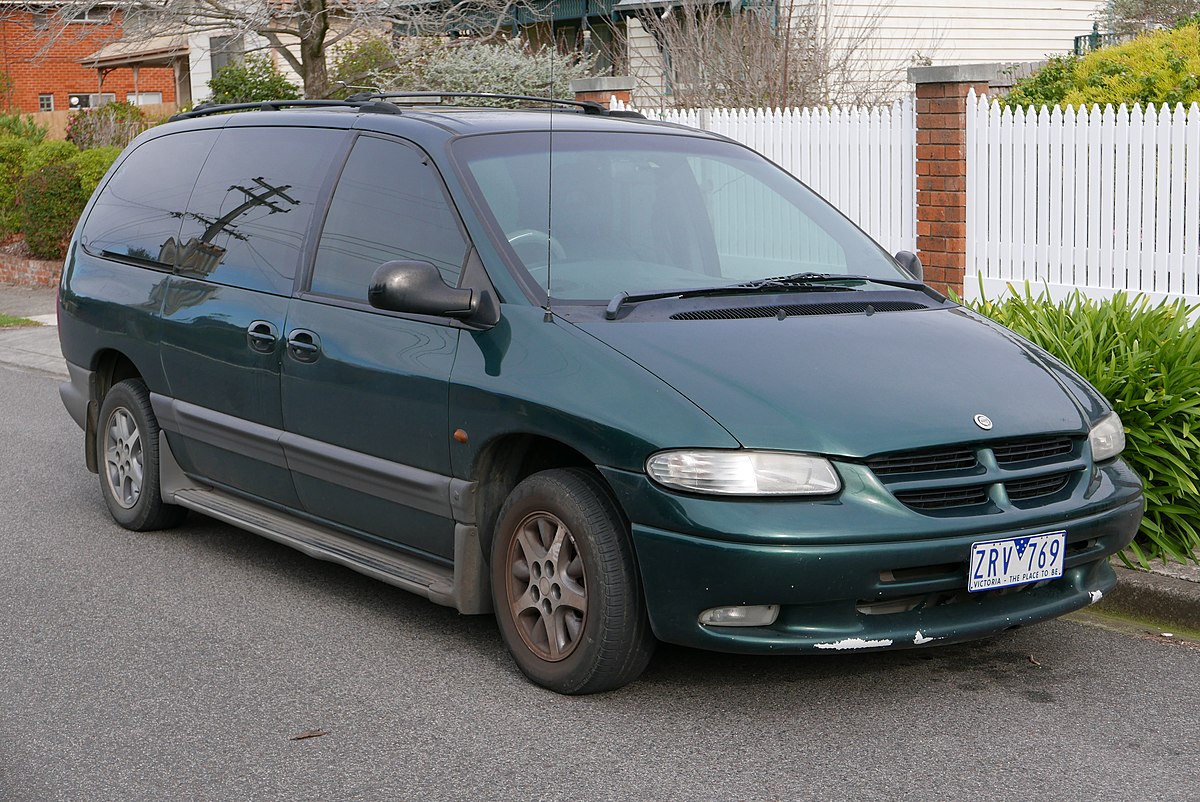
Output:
x=127 y=443
x=565 y=585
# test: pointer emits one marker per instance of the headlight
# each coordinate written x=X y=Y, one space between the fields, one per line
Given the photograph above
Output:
x=744 y=473
x=1107 y=438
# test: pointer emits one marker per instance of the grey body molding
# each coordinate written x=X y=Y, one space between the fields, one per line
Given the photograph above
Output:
x=463 y=586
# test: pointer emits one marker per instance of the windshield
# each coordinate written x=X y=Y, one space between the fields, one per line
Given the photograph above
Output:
x=642 y=213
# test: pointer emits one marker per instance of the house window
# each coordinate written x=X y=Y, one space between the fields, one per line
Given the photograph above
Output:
x=92 y=15
x=43 y=19
x=91 y=100
x=45 y=102
x=224 y=50
x=144 y=98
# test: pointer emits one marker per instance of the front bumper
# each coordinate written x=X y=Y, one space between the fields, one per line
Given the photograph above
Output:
x=895 y=593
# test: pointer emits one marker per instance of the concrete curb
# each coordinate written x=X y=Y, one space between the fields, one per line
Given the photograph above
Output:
x=1168 y=601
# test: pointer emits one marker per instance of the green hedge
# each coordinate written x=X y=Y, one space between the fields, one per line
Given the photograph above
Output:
x=51 y=200
x=1145 y=358
x=13 y=151
x=44 y=185
x=53 y=191
x=1162 y=67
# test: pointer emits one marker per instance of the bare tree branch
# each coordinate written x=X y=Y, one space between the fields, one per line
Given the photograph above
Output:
x=770 y=55
x=301 y=31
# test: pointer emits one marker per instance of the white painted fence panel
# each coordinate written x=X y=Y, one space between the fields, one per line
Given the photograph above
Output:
x=1099 y=199
x=863 y=161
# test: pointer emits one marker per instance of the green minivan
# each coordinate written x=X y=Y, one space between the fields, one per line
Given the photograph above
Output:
x=616 y=381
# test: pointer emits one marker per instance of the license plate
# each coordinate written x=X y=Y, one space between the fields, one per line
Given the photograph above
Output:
x=1016 y=561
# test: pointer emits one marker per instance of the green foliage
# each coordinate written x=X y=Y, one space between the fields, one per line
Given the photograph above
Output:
x=47 y=153
x=110 y=124
x=12 y=322
x=1160 y=67
x=51 y=202
x=21 y=127
x=1146 y=360
x=255 y=79
x=372 y=63
x=13 y=151
x=92 y=164
x=1047 y=87
x=44 y=187
x=506 y=67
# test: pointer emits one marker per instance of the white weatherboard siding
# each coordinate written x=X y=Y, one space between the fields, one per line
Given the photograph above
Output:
x=950 y=33
x=904 y=33
x=645 y=65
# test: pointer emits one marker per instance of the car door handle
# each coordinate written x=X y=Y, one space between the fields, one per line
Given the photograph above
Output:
x=304 y=345
x=261 y=336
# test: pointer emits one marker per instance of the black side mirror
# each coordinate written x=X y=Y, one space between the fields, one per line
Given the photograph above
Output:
x=911 y=264
x=417 y=287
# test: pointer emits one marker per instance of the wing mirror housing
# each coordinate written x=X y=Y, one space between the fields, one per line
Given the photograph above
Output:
x=911 y=264
x=417 y=287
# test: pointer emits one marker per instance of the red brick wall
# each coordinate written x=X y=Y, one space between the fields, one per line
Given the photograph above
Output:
x=58 y=71
x=603 y=97
x=29 y=272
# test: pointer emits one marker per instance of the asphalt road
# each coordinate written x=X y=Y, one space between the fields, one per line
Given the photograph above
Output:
x=178 y=666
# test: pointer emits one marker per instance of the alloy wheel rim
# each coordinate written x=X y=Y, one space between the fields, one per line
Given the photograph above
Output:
x=547 y=586
x=123 y=458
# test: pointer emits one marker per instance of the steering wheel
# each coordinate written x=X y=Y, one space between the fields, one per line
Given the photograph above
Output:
x=530 y=245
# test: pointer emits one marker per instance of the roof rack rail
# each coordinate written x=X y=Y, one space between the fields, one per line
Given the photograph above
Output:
x=276 y=105
x=588 y=106
x=377 y=102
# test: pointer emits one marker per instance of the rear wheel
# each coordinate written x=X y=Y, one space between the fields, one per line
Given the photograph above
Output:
x=565 y=585
x=127 y=444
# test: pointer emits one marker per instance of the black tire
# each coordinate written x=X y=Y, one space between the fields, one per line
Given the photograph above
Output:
x=577 y=625
x=127 y=450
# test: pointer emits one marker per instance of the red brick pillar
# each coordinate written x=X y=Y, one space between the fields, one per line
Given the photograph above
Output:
x=600 y=90
x=942 y=165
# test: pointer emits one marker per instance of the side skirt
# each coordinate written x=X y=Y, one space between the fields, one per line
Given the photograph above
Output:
x=463 y=587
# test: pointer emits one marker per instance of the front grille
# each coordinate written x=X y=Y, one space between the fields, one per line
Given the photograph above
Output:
x=921 y=461
x=1027 y=489
x=931 y=480
x=791 y=310
x=1025 y=450
x=941 y=499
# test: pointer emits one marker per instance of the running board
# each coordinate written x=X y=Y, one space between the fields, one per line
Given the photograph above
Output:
x=432 y=581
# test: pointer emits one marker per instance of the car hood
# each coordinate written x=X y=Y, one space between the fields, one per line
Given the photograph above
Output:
x=852 y=385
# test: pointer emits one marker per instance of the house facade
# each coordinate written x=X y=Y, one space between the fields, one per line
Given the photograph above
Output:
x=42 y=54
x=888 y=36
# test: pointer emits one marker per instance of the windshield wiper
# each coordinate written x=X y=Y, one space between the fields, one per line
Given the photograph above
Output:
x=622 y=298
x=802 y=279
x=797 y=282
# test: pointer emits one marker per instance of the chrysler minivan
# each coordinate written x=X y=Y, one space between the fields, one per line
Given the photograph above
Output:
x=616 y=381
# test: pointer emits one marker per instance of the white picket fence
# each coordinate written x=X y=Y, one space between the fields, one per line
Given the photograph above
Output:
x=1099 y=199
x=860 y=160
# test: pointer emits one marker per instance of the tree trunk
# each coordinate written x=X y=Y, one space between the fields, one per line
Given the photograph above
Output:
x=313 y=26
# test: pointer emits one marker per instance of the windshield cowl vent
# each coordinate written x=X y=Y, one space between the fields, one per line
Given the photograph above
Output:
x=789 y=310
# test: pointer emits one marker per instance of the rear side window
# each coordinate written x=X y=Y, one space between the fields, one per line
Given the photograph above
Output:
x=390 y=204
x=139 y=211
x=253 y=202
